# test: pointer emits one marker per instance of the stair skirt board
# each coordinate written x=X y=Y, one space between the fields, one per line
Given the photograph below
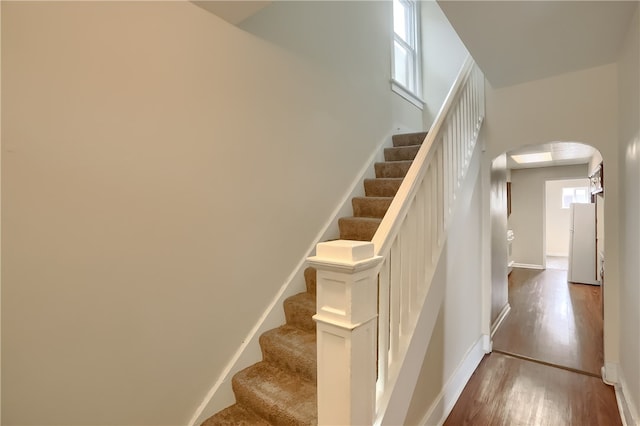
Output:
x=220 y=398
x=448 y=396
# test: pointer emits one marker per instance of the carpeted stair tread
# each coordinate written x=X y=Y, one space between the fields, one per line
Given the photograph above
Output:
x=370 y=206
x=281 y=389
x=235 y=415
x=310 y=279
x=409 y=139
x=400 y=153
x=382 y=187
x=299 y=309
x=392 y=169
x=276 y=395
x=358 y=228
x=292 y=349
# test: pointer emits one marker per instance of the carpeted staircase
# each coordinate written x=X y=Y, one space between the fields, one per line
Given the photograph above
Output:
x=281 y=389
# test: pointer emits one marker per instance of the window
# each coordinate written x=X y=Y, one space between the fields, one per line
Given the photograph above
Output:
x=406 y=51
x=575 y=195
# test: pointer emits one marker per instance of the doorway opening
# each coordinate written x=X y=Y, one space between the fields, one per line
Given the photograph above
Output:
x=550 y=319
x=560 y=194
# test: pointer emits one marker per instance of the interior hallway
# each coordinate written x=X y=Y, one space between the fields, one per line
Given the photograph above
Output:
x=552 y=320
x=545 y=368
x=558 y=262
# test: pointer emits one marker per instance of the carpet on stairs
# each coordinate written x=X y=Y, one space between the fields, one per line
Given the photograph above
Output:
x=281 y=389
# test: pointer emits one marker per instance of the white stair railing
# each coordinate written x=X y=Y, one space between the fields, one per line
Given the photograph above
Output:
x=389 y=278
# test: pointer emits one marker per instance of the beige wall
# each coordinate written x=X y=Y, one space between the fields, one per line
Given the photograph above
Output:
x=443 y=56
x=558 y=220
x=629 y=130
x=579 y=106
x=163 y=172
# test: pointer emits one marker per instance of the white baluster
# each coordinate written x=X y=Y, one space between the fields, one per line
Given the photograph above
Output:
x=384 y=329
x=394 y=303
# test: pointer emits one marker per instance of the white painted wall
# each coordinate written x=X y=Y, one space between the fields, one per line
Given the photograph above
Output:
x=458 y=326
x=443 y=56
x=499 y=248
x=163 y=172
x=528 y=209
x=579 y=106
x=557 y=219
x=629 y=131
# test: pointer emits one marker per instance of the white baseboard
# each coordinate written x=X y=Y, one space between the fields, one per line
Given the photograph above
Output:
x=527 y=266
x=554 y=254
x=487 y=344
x=626 y=406
x=503 y=314
x=443 y=404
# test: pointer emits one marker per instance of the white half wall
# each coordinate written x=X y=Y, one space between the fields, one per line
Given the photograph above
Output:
x=458 y=325
x=163 y=173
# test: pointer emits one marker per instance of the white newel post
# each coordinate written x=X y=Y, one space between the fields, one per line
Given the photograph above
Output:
x=346 y=311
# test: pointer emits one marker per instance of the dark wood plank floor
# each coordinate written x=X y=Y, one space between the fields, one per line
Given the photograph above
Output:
x=552 y=320
x=554 y=323
x=509 y=391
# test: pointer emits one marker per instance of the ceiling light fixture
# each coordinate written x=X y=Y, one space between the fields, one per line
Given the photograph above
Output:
x=538 y=157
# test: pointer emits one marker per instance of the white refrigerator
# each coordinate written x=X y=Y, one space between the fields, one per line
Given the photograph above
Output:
x=582 y=245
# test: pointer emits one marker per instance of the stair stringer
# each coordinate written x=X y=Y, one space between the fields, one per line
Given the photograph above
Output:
x=393 y=410
x=221 y=394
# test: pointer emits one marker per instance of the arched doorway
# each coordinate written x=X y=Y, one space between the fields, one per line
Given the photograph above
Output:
x=522 y=175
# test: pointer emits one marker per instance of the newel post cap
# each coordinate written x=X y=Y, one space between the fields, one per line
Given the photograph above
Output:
x=345 y=255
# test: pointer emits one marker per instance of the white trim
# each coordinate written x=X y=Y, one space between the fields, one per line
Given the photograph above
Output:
x=626 y=406
x=415 y=50
x=221 y=395
x=503 y=314
x=554 y=254
x=487 y=344
x=451 y=391
x=527 y=266
x=609 y=373
x=407 y=94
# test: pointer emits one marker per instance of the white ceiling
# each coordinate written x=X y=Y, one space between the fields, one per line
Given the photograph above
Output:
x=562 y=153
x=518 y=41
x=233 y=12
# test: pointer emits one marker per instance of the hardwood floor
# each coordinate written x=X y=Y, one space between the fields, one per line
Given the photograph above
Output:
x=552 y=320
x=509 y=391
x=554 y=330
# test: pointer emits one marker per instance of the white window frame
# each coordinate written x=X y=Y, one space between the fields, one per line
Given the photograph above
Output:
x=574 y=199
x=413 y=90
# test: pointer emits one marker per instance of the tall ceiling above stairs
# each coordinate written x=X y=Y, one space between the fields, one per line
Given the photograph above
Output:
x=233 y=12
x=518 y=41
